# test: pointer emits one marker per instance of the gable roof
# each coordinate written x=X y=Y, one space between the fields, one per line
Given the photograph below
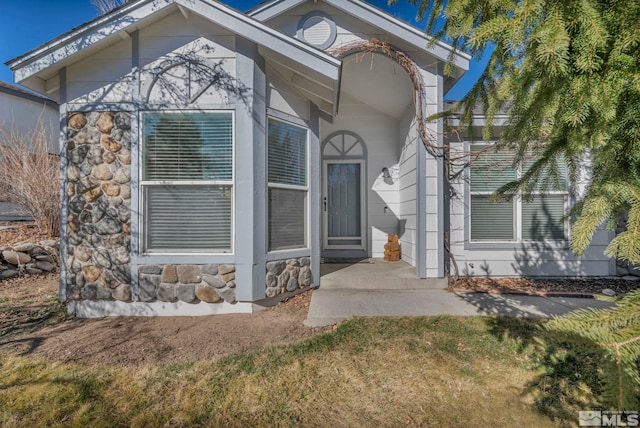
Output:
x=377 y=18
x=45 y=61
x=16 y=91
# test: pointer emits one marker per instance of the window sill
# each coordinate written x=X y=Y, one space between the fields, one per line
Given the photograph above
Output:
x=288 y=254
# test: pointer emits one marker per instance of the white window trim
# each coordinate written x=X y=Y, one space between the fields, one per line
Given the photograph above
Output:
x=517 y=203
x=142 y=235
x=307 y=220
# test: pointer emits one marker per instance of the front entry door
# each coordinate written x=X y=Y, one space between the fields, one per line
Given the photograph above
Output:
x=343 y=205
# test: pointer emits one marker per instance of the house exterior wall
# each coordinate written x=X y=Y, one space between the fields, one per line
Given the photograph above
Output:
x=535 y=258
x=106 y=265
x=408 y=135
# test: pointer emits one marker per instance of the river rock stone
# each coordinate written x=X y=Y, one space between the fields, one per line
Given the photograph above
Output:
x=105 y=123
x=207 y=294
x=229 y=277
x=92 y=272
x=225 y=269
x=109 y=143
x=209 y=269
x=108 y=226
x=150 y=269
x=304 y=261
x=122 y=292
x=305 y=277
x=276 y=267
x=82 y=253
x=102 y=172
x=73 y=173
x=108 y=157
x=293 y=262
x=24 y=247
x=170 y=274
x=213 y=281
x=124 y=156
x=77 y=121
x=93 y=194
x=273 y=291
x=45 y=266
x=186 y=293
x=102 y=258
x=189 y=274
x=272 y=279
x=227 y=293
x=292 y=284
x=88 y=292
x=148 y=287
x=111 y=189
x=283 y=279
x=16 y=257
x=103 y=293
x=9 y=273
x=122 y=176
x=167 y=293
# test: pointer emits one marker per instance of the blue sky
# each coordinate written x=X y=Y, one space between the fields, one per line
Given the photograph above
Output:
x=27 y=24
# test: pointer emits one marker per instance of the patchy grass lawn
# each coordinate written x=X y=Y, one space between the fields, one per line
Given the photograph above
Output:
x=433 y=371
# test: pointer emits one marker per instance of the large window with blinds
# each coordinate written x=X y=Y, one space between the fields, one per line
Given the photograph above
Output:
x=540 y=217
x=287 y=171
x=187 y=182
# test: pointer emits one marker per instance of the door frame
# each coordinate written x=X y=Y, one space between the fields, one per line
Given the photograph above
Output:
x=363 y=207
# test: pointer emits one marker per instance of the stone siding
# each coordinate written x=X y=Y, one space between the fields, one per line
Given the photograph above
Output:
x=28 y=258
x=288 y=275
x=98 y=192
x=187 y=283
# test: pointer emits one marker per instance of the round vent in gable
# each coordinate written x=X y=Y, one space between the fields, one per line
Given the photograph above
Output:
x=317 y=29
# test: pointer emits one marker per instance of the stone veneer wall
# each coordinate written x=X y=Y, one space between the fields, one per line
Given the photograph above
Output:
x=288 y=275
x=187 y=283
x=98 y=192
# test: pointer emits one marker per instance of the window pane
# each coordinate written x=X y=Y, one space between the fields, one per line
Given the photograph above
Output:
x=287 y=154
x=546 y=181
x=187 y=146
x=491 y=221
x=188 y=217
x=490 y=170
x=542 y=218
x=287 y=214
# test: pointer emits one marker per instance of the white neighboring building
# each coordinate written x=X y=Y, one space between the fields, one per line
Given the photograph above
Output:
x=20 y=111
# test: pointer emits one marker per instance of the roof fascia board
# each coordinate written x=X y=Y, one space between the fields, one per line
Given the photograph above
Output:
x=78 y=32
x=27 y=96
x=394 y=26
x=377 y=18
x=61 y=48
x=271 y=9
x=256 y=31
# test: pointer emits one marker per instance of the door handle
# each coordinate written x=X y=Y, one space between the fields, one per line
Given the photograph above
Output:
x=325 y=204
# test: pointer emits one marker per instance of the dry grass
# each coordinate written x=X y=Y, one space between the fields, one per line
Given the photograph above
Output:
x=29 y=175
x=440 y=371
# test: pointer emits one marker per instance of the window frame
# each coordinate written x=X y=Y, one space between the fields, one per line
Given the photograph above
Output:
x=144 y=184
x=517 y=205
x=305 y=188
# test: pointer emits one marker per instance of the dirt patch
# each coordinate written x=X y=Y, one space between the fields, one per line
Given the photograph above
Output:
x=13 y=232
x=145 y=340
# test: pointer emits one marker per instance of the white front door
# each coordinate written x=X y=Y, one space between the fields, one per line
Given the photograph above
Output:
x=342 y=202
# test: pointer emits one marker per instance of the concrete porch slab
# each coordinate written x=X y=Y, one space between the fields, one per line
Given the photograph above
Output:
x=375 y=274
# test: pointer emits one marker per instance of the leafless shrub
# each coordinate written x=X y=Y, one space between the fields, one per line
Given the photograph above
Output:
x=29 y=175
x=105 y=6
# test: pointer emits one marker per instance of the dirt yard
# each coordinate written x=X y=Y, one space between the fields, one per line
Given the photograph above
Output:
x=32 y=324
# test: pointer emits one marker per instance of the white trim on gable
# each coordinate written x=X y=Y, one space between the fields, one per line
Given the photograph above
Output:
x=377 y=18
x=39 y=65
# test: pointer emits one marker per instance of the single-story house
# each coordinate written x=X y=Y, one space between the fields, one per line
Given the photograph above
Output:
x=211 y=158
x=20 y=114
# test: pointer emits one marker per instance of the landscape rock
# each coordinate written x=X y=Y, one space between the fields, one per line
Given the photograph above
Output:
x=207 y=294
x=15 y=257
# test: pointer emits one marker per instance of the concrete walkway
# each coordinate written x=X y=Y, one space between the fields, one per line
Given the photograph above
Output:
x=392 y=289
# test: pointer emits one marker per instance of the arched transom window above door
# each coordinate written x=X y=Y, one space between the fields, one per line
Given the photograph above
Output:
x=344 y=145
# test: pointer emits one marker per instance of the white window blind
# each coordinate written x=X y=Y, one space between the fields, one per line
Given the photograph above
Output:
x=539 y=219
x=187 y=181
x=288 y=188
